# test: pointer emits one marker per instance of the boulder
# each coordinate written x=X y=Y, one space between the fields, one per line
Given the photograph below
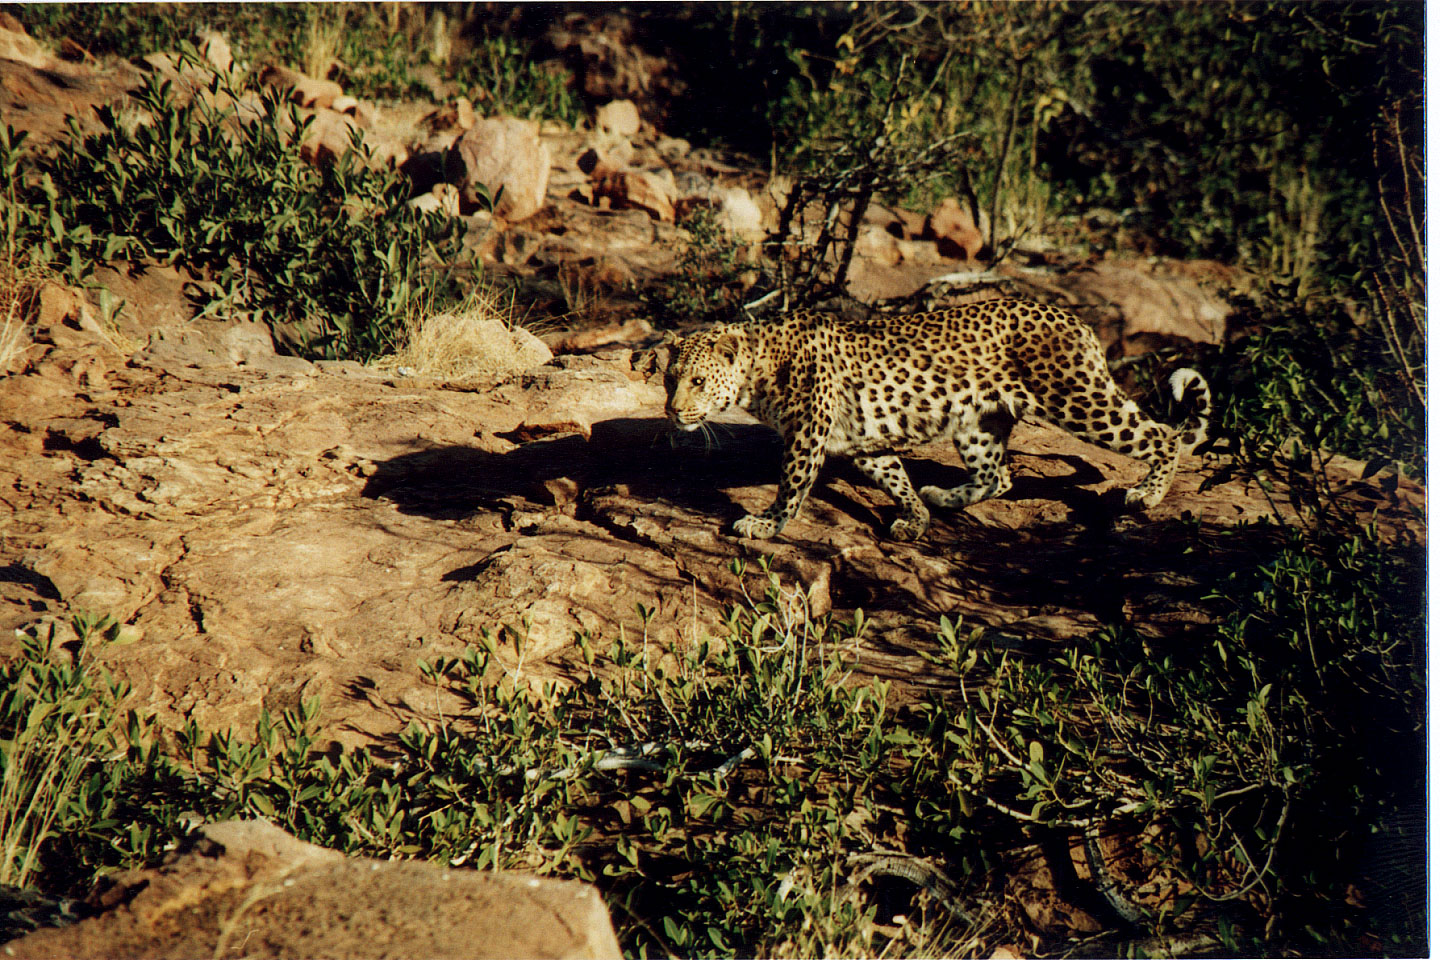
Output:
x=305 y=91
x=639 y=189
x=247 y=888
x=328 y=137
x=954 y=231
x=618 y=118
x=739 y=214
x=502 y=159
x=16 y=44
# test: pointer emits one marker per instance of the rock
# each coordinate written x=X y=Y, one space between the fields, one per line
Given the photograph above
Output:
x=278 y=366
x=246 y=888
x=618 y=118
x=455 y=117
x=607 y=57
x=246 y=342
x=442 y=198
x=740 y=215
x=1150 y=306
x=559 y=401
x=954 y=231
x=877 y=245
x=605 y=157
x=329 y=137
x=633 y=330
x=216 y=51
x=503 y=161
x=639 y=190
x=305 y=91
x=16 y=44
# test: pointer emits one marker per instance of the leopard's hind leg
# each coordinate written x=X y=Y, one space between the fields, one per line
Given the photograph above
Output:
x=888 y=473
x=1102 y=415
x=980 y=442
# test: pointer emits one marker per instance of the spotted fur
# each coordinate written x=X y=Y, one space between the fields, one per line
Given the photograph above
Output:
x=870 y=389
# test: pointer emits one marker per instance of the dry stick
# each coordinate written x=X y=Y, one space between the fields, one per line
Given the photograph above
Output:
x=1005 y=145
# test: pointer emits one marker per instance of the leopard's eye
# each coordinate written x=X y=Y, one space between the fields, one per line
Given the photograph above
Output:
x=697 y=382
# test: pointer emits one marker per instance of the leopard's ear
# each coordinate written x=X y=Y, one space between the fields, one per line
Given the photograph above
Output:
x=727 y=345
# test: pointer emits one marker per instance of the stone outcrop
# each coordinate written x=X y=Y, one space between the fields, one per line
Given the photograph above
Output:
x=503 y=161
x=954 y=231
x=249 y=889
x=272 y=529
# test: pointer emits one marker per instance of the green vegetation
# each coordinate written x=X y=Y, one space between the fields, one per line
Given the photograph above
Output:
x=375 y=51
x=330 y=257
x=746 y=795
x=708 y=282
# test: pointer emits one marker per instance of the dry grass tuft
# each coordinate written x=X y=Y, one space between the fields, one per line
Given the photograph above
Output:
x=475 y=340
x=20 y=285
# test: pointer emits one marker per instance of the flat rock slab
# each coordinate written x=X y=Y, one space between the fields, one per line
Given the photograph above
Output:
x=248 y=889
x=269 y=538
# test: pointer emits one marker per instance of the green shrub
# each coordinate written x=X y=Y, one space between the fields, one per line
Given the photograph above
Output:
x=748 y=795
x=329 y=257
x=707 y=284
x=1241 y=764
x=61 y=788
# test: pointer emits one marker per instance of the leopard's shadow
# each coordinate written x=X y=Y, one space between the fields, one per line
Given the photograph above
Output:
x=641 y=454
x=692 y=471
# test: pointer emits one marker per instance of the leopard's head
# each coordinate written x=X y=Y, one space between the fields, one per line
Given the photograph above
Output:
x=705 y=375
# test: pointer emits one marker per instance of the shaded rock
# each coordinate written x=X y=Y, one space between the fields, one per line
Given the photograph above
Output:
x=954 y=231
x=601 y=49
x=503 y=161
x=248 y=889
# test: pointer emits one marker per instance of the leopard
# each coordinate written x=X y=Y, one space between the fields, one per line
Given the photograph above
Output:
x=874 y=388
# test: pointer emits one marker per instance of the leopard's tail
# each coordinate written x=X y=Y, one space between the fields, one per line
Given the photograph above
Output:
x=1193 y=394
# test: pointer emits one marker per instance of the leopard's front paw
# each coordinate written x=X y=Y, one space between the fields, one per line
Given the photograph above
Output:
x=756 y=528
x=909 y=528
x=1138 y=498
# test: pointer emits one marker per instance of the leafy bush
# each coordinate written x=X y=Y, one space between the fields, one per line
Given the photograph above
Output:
x=747 y=795
x=708 y=282
x=1065 y=107
x=1238 y=765
x=330 y=257
x=60 y=788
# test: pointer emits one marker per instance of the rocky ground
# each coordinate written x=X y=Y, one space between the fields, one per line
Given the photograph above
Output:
x=270 y=530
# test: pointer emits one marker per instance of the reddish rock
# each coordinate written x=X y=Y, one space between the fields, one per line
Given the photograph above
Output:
x=502 y=159
x=305 y=91
x=954 y=231
x=247 y=888
x=638 y=189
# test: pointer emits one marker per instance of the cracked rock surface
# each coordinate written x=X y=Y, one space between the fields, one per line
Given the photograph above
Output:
x=274 y=533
